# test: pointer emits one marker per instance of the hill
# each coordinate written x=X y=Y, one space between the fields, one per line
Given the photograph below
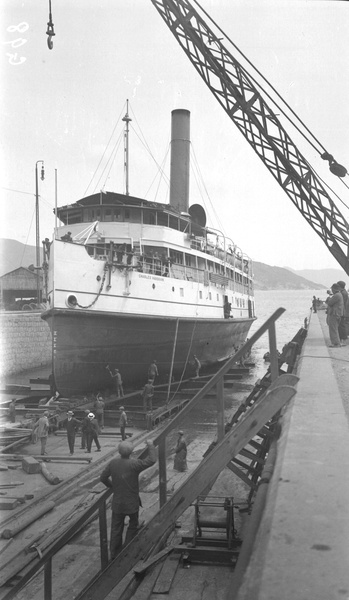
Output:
x=14 y=254
x=278 y=278
x=324 y=276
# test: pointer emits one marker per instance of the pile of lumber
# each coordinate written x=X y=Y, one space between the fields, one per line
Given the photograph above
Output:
x=11 y=435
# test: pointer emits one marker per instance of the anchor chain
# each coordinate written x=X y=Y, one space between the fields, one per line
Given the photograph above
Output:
x=99 y=291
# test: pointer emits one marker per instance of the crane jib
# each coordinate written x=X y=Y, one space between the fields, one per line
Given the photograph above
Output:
x=232 y=86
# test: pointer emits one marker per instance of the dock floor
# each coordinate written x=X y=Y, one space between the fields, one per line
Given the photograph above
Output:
x=302 y=546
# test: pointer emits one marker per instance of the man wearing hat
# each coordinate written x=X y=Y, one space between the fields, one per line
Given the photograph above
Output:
x=121 y=474
x=92 y=433
x=335 y=311
x=118 y=381
x=123 y=422
x=72 y=425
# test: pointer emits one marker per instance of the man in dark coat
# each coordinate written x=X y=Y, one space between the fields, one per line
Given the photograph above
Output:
x=121 y=474
x=335 y=311
x=84 y=427
x=92 y=431
x=123 y=422
x=72 y=425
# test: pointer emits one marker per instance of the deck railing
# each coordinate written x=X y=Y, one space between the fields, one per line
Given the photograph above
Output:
x=99 y=505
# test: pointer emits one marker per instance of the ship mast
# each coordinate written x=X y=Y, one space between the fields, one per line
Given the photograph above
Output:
x=126 y=147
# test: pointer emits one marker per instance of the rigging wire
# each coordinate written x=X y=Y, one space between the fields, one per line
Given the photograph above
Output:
x=196 y=163
x=110 y=161
x=323 y=154
x=106 y=148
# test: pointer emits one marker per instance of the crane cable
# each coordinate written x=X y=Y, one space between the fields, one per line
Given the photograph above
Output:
x=335 y=168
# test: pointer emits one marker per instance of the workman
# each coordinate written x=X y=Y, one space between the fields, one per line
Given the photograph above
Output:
x=99 y=410
x=118 y=381
x=123 y=422
x=41 y=428
x=12 y=410
x=72 y=425
x=121 y=474
x=197 y=366
x=153 y=371
x=147 y=395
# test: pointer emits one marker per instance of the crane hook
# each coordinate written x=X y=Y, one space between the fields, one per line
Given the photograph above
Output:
x=335 y=167
x=50 y=30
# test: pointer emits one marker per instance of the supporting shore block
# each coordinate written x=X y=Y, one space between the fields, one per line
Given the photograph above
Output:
x=8 y=503
x=30 y=465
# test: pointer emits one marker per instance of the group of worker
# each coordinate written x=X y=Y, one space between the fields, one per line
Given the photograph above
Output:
x=90 y=425
x=121 y=473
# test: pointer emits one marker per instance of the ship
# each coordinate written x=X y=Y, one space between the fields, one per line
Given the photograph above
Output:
x=129 y=281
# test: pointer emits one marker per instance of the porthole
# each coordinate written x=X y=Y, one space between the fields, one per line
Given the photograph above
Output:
x=173 y=289
x=71 y=301
x=153 y=286
x=98 y=277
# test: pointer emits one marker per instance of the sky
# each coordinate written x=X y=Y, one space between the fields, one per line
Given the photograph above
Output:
x=64 y=105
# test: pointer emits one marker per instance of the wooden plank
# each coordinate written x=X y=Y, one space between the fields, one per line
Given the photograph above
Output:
x=167 y=574
x=145 y=588
x=142 y=566
x=214 y=462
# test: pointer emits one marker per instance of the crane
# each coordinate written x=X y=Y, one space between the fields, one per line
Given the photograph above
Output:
x=234 y=89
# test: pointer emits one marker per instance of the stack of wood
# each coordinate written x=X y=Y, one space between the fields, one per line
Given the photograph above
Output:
x=10 y=435
x=43 y=542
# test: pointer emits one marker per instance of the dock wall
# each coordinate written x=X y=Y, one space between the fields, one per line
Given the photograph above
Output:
x=25 y=342
x=301 y=550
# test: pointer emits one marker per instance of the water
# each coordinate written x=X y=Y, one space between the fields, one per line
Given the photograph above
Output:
x=201 y=421
x=297 y=304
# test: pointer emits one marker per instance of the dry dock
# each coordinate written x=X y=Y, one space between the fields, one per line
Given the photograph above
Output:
x=302 y=547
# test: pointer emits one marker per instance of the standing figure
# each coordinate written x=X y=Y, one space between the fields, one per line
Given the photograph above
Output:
x=197 y=365
x=147 y=395
x=153 y=371
x=180 y=459
x=314 y=304
x=227 y=309
x=123 y=422
x=99 y=410
x=41 y=428
x=84 y=427
x=121 y=474
x=335 y=310
x=92 y=433
x=72 y=425
x=118 y=381
x=12 y=410
x=343 y=328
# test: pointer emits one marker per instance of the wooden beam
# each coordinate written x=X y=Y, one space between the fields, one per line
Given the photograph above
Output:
x=214 y=462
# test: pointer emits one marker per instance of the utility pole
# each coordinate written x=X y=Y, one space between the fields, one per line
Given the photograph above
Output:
x=38 y=266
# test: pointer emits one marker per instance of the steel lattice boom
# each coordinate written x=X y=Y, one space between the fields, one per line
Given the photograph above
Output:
x=232 y=86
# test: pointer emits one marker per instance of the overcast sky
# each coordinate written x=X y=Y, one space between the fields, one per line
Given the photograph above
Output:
x=62 y=106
